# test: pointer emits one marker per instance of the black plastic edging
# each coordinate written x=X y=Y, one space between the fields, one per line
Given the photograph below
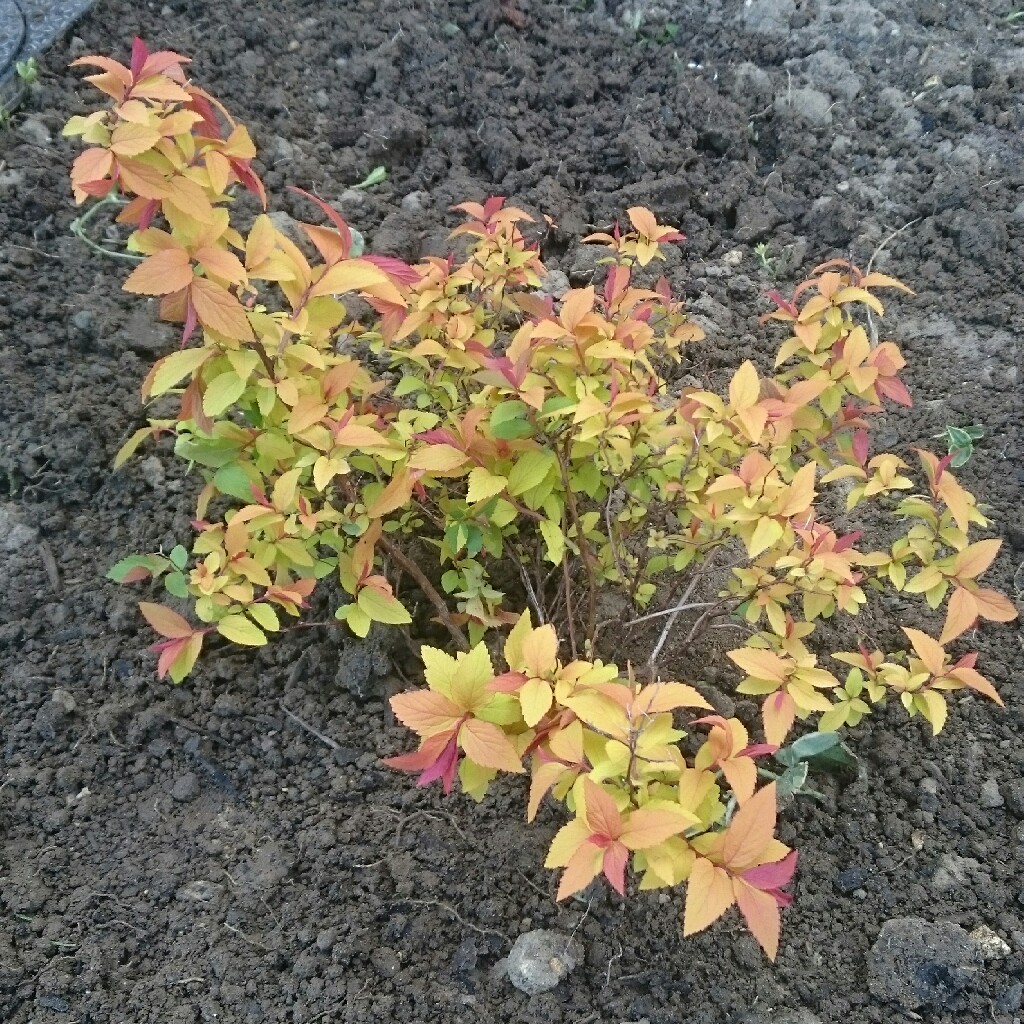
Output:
x=27 y=27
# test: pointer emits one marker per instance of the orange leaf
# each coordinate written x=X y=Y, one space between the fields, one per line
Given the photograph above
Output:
x=778 y=713
x=221 y=263
x=219 y=310
x=994 y=606
x=974 y=560
x=960 y=614
x=760 y=664
x=426 y=712
x=659 y=697
x=129 y=139
x=488 y=746
x=575 y=306
x=395 y=495
x=741 y=774
x=164 y=272
x=751 y=830
x=928 y=649
x=583 y=867
x=761 y=913
x=602 y=815
x=645 y=828
x=166 y=622
x=348 y=276
x=643 y=221
x=801 y=491
x=92 y=165
x=142 y=180
x=709 y=895
x=976 y=681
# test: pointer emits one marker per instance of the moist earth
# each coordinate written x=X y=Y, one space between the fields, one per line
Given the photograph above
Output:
x=200 y=853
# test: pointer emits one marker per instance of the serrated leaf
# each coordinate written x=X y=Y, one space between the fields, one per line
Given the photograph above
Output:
x=381 y=607
x=554 y=540
x=508 y=421
x=265 y=615
x=484 y=484
x=240 y=630
x=529 y=472
x=171 y=369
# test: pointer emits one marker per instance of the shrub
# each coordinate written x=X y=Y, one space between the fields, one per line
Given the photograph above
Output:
x=538 y=449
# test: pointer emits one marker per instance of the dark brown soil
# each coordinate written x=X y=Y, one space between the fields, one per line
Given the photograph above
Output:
x=194 y=854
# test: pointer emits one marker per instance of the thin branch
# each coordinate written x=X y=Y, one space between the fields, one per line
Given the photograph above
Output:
x=305 y=725
x=409 y=566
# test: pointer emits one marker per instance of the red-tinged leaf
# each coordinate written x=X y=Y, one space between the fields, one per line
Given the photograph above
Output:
x=487 y=745
x=646 y=827
x=166 y=622
x=961 y=614
x=507 y=682
x=169 y=651
x=394 y=267
x=928 y=649
x=772 y=876
x=444 y=767
x=426 y=755
x=994 y=606
x=709 y=894
x=139 y=54
x=426 y=712
x=583 y=867
x=761 y=913
x=332 y=215
x=860 y=447
x=778 y=712
x=895 y=390
x=602 y=814
x=163 y=62
x=751 y=831
x=164 y=272
x=219 y=310
x=616 y=856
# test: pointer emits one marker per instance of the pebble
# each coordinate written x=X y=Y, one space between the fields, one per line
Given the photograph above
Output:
x=990 y=795
x=185 y=788
x=916 y=963
x=849 y=881
x=33 y=130
x=991 y=945
x=152 y=470
x=812 y=105
x=1014 y=795
x=14 y=535
x=540 y=959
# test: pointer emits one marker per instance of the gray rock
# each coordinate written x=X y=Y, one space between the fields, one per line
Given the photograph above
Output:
x=64 y=700
x=1013 y=793
x=991 y=945
x=833 y=74
x=280 y=150
x=152 y=470
x=185 y=788
x=918 y=963
x=14 y=534
x=33 y=131
x=415 y=202
x=768 y=17
x=85 y=322
x=540 y=959
x=990 y=795
x=811 y=105
x=953 y=870
x=554 y=283
x=1010 y=999
x=11 y=179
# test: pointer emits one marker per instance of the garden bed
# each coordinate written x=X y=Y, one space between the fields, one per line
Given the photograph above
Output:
x=201 y=853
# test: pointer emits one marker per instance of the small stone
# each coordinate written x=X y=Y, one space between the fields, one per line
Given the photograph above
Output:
x=14 y=534
x=916 y=963
x=554 y=284
x=386 y=961
x=953 y=870
x=152 y=470
x=64 y=700
x=326 y=939
x=85 y=322
x=77 y=47
x=850 y=880
x=353 y=199
x=415 y=202
x=990 y=795
x=281 y=151
x=927 y=797
x=540 y=959
x=33 y=131
x=1009 y=999
x=185 y=788
x=1013 y=793
x=812 y=105
x=991 y=945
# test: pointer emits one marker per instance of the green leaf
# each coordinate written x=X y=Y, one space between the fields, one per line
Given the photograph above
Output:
x=530 y=471
x=961 y=456
x=975 y=433
x=171 y=369
x=265 y=615
x=222 y=392
x=483 y=484
x=176 y=585
x=381 y=608
x=135 y=568
x=213 y=452
x=375 y=177
x=240 y=630
x=554 y=540
x=407 y=385
x=358 y=621
x=237 y=481
x=806 y=747
x=508 y=421
x=178 y=556
x=792 y=780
